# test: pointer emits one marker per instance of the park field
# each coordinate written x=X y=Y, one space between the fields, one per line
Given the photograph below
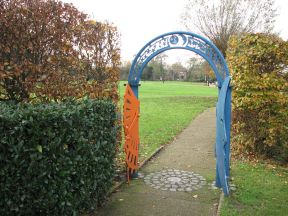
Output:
x=167 y=108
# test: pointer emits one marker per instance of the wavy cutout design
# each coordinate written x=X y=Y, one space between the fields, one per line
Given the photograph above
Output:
x=131 y=129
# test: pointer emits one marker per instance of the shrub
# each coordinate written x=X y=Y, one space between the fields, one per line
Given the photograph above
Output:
x=50 y=51
x=259 y=64
x=56 y=159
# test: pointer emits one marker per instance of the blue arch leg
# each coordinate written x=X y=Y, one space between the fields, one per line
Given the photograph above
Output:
x=135 y=89
x=228 y=129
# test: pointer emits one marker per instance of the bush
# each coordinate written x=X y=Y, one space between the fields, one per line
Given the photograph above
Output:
x=50 y=51
x=56 y=159
x=259 y=64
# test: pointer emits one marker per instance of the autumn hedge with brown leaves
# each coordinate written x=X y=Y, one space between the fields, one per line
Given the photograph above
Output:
x=50 y=51
x=259 y=68
x=58 y=144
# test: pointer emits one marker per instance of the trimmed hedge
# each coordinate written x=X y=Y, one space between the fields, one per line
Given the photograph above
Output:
x=56 y=159
x=259 y=64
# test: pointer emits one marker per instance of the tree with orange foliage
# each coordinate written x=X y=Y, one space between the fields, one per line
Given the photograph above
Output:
x=50 y=51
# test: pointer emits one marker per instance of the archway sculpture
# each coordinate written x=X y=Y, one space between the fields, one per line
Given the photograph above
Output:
x=204 y=48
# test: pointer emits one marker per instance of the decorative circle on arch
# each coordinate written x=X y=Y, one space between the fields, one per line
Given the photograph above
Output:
x=179 y=40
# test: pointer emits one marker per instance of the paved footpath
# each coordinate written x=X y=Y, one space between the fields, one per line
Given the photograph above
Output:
x=177 y=181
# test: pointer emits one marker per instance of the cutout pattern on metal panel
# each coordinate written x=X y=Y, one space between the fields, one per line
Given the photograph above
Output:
x=131 y=125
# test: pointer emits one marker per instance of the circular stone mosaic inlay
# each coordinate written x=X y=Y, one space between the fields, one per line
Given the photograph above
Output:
x=175 y=180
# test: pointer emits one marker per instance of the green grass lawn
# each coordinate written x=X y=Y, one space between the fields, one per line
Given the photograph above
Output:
x=157 y=89
x=261 y=189
x=166 y=109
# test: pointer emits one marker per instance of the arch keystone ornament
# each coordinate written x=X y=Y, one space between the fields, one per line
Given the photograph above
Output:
x=206 y=49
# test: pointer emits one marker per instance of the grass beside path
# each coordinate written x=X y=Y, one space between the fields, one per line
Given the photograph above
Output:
x=261 y=189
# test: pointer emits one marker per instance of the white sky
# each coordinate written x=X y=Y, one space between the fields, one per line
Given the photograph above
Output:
x=139 y=21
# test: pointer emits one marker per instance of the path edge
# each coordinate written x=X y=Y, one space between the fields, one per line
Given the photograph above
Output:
x=143 y=163
x=220 y=204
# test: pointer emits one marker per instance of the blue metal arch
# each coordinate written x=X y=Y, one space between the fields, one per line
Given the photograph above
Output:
x=178 y=40
x=206 y=49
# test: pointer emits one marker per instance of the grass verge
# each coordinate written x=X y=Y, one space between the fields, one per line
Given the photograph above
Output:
x=261 y=189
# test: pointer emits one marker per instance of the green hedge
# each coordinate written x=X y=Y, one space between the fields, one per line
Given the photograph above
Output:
x=259 y=64
x=56 y=159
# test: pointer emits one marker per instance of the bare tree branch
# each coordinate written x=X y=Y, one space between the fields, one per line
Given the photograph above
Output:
x=220 y=19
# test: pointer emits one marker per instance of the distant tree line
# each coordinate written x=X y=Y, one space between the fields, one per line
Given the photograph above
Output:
x=195 y=70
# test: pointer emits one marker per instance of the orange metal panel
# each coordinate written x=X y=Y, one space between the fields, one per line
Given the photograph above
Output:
x=131 y=130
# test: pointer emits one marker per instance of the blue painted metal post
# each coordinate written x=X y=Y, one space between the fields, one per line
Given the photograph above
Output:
x=228 y=129
x=135 y=89
x=221 y=138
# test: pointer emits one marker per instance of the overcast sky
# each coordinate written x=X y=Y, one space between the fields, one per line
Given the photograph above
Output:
x=139 y=21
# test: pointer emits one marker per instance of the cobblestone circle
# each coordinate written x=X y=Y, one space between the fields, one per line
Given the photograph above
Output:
x=175 y=180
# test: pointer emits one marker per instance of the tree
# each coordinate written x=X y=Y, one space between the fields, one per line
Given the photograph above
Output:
x=158 y=64
x=50 y=51
x=196 y=72
x=259 y=64
x=219 y=20
x=124 y=70
x=161 y=58
x=177 y=72
x=147 y=73
x=209 y=73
